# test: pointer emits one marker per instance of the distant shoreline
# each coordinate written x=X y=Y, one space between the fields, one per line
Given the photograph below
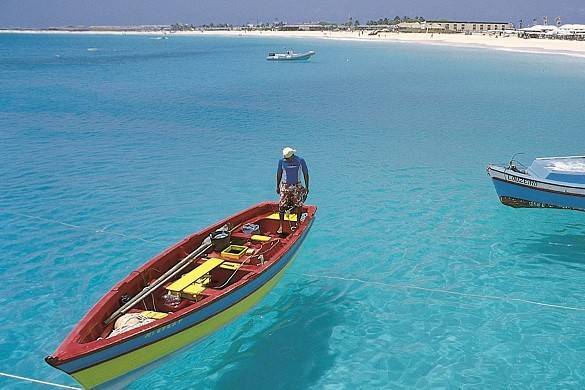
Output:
x=485 y=41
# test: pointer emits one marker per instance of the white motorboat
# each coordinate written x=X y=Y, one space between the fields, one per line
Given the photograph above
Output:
x=290 y=56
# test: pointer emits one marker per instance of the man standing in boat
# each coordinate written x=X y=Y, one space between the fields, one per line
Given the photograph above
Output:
x=289 y=187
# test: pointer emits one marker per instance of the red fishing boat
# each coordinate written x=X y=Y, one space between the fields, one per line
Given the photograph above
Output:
x=182 y=295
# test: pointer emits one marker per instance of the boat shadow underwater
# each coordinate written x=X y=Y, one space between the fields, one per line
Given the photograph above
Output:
x=292 y=351
x=557 y=247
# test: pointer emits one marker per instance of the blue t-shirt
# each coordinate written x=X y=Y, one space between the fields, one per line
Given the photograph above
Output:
x=291 y=168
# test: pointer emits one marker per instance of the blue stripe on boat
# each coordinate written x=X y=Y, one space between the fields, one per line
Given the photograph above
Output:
x=531 y=194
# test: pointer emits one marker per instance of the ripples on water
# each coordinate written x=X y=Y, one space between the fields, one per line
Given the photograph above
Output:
x=109 y=156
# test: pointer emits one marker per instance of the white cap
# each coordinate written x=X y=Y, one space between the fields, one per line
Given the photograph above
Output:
x=288 y=152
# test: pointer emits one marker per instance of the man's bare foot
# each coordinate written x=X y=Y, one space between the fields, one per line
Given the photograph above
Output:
x=279 y=231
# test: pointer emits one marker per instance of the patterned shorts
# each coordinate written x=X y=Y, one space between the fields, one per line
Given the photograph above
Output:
x=291 y=196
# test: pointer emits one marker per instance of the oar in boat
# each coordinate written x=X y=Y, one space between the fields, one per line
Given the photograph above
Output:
x=181 y=265
x=160 y=281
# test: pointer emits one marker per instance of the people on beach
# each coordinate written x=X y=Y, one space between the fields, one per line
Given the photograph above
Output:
x=288 y=185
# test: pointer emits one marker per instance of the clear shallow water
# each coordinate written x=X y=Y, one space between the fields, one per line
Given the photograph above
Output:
x=110 y=155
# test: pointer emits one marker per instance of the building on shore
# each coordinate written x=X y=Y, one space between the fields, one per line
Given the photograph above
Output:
x=306 y=27
x=537 y=31
x=446 y=26
x=566 y=31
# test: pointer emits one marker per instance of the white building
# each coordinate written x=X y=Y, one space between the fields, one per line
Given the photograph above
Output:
x=573 y=28
x=566 y=31
x=473 y=26
x=451 y=26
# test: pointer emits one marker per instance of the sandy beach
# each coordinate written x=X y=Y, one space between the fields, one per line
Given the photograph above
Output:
x=510 y=43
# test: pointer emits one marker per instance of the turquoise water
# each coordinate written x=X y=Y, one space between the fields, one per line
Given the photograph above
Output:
x=413 y=275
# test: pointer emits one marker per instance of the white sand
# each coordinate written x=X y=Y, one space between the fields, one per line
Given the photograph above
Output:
x=512 y=43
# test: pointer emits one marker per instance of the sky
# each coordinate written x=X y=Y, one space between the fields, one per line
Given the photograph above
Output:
x=46 y=13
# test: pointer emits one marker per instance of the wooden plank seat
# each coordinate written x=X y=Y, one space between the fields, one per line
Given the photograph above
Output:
x=260 y=238
x=155 y=315
x=229 y=265
x=193 y=276
x=193 y=289
x=245 y=236
x=287 y=217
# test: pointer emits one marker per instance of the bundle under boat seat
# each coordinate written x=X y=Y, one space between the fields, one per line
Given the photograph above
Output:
x=193 y=276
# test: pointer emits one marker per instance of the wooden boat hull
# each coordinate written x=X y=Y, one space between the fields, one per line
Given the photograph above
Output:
x=110 y=365
x=520 y=190
x=105 y=372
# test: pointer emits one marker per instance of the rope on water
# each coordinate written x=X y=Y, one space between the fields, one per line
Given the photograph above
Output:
x=22 y=378
x=388 y=285
x=72 y=226
x=443 y=291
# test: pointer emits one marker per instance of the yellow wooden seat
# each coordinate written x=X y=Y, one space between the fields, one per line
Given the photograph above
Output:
x=287 y=217
x=260 y=238
x=191 y=277
x=193 y=289
x=229 y=265
x=155 y=315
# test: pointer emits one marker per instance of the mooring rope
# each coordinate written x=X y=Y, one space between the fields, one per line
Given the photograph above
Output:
x=333 y=277
x=25 y=379
x=450 y=292
x=388 y=285
x=383 y=284
x=87 y=229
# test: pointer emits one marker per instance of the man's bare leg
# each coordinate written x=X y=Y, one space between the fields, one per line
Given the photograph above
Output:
x=281 y=219
x=298 y=213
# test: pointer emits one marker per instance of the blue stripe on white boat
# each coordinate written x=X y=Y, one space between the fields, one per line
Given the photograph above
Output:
x=185 y=322
x=548 y=182
x=517 y=191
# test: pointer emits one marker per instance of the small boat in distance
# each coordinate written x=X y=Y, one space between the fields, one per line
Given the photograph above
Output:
x=290 y=56
x=182 y=295
x=551 y=182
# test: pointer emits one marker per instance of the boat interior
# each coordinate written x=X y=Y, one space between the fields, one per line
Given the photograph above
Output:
x=243 y=248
